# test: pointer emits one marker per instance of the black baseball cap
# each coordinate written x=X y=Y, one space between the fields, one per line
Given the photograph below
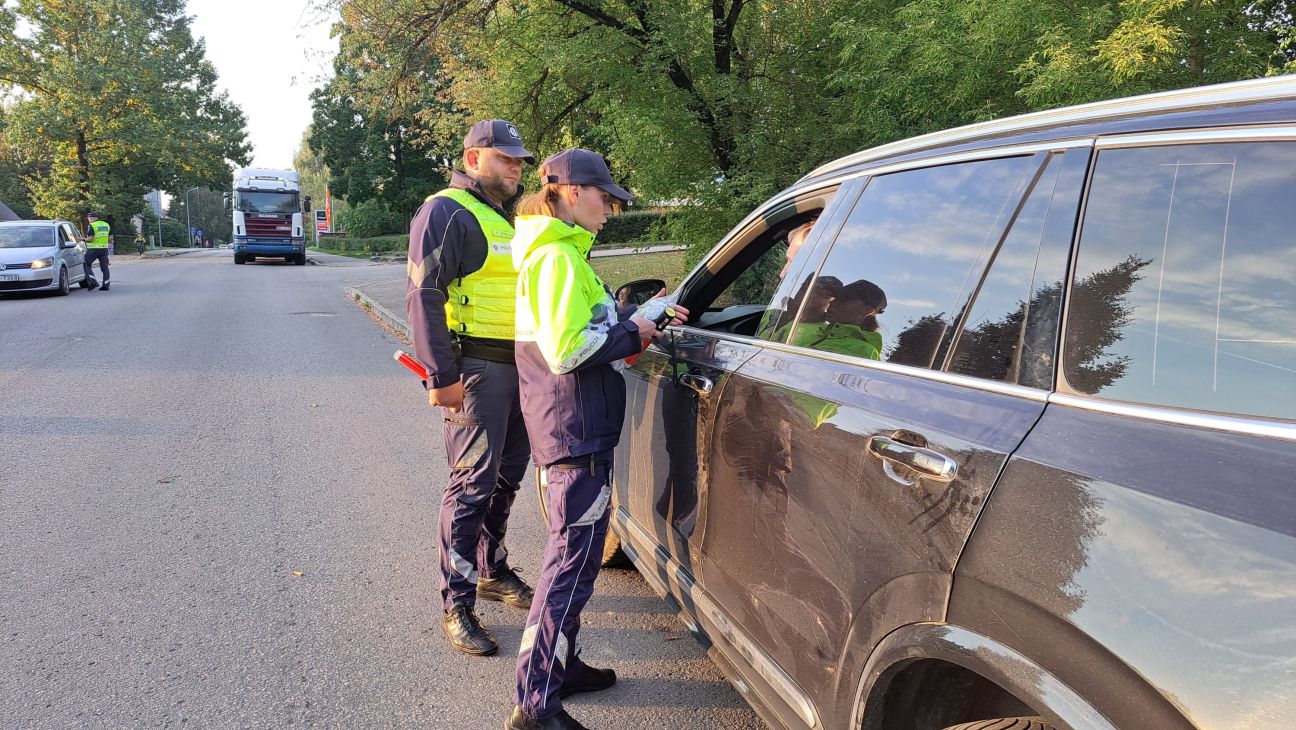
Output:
x=500 y=135
x=92 y=214
x=581 y=167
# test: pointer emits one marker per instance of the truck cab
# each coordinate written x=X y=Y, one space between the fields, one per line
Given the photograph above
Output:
x=268 y=212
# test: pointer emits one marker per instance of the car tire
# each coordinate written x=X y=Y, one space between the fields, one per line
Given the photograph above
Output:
x=1012 y=723
x=64 y=288
x=613 y=555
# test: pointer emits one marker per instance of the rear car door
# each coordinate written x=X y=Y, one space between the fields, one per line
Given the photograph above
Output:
x=1141 y=544
x=836 y=490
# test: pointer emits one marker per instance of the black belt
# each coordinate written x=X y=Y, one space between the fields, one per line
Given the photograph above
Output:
x=501 y=351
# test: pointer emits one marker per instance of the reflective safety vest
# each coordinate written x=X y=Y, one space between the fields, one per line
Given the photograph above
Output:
x=482 y=303
x=101 y=230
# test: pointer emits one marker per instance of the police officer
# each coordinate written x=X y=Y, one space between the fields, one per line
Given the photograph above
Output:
x=460 y=297
x=97 y=248
x=570 y=345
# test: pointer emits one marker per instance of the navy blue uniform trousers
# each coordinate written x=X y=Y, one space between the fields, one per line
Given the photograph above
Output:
x=487 y=448
x=578 y=493
x=101 y=255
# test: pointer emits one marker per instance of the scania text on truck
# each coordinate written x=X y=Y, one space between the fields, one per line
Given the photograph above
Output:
x=269 y=215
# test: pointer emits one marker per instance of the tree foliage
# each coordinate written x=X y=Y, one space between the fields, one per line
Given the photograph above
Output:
x=118 y=97
x=712 y=106
x=372 y=145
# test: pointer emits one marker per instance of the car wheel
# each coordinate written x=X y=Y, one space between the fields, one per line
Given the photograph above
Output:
x=63 y=282
x=1006 y=723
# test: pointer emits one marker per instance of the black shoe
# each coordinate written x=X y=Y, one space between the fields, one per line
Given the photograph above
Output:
x=105 y=286
x=586 y=679
x=509 y=588
x=562 y=721
x=465 y=632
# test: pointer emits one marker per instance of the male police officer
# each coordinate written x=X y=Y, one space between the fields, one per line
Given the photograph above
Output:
x=97 y=248
x=461 y=297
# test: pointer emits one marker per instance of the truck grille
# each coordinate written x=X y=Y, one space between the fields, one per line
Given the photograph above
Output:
x=267 y=227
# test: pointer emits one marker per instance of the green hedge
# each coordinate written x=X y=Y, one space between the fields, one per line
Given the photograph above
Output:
x=632 y=226
x=370 y=219
x=397 y=243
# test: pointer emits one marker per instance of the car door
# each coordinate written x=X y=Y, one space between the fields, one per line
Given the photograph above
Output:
x=840 y=489
x=74 y=255
x=1141 y=544
x=672 y=387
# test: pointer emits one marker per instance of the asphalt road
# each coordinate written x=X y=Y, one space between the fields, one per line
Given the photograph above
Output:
x=218 y=509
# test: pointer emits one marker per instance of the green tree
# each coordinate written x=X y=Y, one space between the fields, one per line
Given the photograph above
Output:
x=15 y=166
x=207 y=213
x=119 y=97
x=373 y=151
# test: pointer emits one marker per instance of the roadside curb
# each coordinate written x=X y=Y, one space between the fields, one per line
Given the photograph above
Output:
x=384 y=314
x=167 y=254
x=595 y=253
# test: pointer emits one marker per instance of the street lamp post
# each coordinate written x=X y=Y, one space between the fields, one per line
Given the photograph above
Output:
x=188 y=225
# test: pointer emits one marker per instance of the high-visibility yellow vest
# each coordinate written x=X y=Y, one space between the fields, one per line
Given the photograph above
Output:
x=482 y=304
x=101 y=230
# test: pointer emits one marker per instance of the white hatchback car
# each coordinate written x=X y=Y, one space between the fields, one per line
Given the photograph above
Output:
x=40 y=256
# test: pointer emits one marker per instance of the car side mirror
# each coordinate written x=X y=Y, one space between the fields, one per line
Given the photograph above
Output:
x=228 y=200
x=306 y=204
x=637 y=292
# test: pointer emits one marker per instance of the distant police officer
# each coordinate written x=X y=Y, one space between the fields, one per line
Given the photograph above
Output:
x=571 y=340
x=460 y=297
x=97 y=248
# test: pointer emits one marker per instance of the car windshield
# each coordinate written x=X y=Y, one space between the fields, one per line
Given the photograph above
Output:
x=26 y=236
x=283 y=203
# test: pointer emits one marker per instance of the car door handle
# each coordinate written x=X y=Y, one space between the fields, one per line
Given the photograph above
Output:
x=700 y=383
x=928 y=463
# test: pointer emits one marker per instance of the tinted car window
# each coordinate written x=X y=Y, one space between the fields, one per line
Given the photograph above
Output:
x=1184 y=291
x=1010 y=333
x=907 y=259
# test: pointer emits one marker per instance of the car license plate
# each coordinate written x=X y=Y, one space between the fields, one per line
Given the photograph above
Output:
x=8 y=277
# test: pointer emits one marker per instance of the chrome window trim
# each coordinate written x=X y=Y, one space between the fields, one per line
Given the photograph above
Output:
x=1276 y=133
x=986 y=153
x=1238 y=92
x=1177 y=417
x=966 y=381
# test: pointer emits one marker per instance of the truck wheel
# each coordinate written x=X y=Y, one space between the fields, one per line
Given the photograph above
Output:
x=238 y=259
x=1006 y=723
x=301 y=259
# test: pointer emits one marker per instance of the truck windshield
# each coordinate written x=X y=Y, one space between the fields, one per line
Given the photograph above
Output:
x=26 y=236
x=282 y=203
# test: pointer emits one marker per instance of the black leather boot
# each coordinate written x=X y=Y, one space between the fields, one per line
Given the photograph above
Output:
x=465 y=632
x=586 y=679
x=508 y=587
x=562 y=721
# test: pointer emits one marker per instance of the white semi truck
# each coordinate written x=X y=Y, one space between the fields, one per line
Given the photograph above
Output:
x=269 y=215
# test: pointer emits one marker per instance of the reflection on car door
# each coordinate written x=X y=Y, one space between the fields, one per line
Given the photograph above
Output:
x=1155 y=497
x=839 y=494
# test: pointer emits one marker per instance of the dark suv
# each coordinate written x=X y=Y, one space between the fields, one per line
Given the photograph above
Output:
x=1012 y=434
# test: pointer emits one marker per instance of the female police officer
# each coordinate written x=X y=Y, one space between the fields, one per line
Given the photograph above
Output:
x=569 y=349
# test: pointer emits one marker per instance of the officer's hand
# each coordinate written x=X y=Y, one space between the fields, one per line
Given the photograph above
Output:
x=450 y=397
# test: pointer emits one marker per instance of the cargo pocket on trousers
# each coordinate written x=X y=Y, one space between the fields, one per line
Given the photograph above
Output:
x=467 y=440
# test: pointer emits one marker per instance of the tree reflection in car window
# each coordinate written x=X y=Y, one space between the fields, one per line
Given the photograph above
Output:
x=1185 y=283
x=922 y=237
x=1011 y=332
